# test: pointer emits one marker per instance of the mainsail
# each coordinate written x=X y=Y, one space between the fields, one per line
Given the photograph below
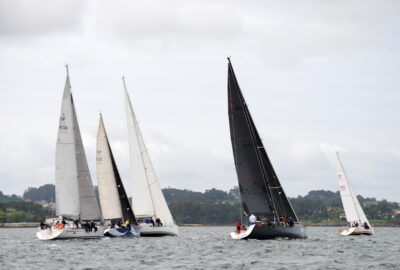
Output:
x=75 y=197
x=147 y=197
x=113 y=199
x=352 y=208
x=260 y=189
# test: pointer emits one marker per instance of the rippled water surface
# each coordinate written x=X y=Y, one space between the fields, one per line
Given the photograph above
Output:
x=203 y=248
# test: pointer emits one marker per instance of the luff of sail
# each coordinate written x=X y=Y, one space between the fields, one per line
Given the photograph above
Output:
x=113 y=199
x=351 y=206
x=75 y=196
x=260 y=188
x=147 y=197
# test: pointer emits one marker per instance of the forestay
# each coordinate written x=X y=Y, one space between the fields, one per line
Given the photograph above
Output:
x=147 y=196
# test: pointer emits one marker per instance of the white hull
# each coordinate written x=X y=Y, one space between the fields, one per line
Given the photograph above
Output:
x=243 y=234
x=67 y=233
x=356 y=231
x=149 y=230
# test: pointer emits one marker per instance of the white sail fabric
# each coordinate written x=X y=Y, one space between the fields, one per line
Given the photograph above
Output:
x=75 y=195
x=352 y=208
x=108 y=190
x=147 y=196
x=67 y=188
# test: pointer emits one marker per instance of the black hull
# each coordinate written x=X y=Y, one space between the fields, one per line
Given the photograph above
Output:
x=264 y=231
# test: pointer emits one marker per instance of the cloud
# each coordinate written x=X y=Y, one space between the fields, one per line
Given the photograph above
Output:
x=24 y=18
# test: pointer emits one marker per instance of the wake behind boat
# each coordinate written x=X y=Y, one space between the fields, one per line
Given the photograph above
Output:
x=148 y=202
x=117 y=211
x=359 y=223
x=75 y=198
x=263 y=198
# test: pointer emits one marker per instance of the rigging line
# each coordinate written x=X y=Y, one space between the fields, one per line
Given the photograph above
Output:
x=246 y=112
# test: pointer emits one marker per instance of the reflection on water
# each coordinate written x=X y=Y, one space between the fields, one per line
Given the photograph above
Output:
x=203 y=248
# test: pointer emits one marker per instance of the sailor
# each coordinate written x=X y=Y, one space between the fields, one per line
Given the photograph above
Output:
x=290 y=221
x=158 y=221
x=366 y=226
x=93 y=226
x=252 y=219
x=43 y=225
x=276 y=220
x=119 y=223
x=76 y=223
x=147 y=220
x=152 y=221
x=127 y=223
x=238 y=225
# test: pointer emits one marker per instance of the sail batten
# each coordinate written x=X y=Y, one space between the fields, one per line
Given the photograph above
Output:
x=261 y=191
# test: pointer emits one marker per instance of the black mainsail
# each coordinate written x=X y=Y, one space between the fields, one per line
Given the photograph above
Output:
x=260 y=189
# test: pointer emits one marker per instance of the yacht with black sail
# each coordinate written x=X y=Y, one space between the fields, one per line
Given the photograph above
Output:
x=76 y=202
x=261 y=192
x=116 y=209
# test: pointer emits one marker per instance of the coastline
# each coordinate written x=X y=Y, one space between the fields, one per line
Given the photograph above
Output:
x=20 y=225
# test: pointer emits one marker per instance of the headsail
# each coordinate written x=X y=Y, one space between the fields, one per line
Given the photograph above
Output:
x=147 y=196
x=352 y=207
x=260 y=189
x=75 y=196
x=113 y=199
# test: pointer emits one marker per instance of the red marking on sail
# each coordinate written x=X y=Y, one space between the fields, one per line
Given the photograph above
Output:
x=342 y=188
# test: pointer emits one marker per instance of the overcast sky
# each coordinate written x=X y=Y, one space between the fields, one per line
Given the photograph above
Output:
x=319 y=77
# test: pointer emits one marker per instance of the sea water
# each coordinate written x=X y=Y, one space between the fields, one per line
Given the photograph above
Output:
x=203 y=248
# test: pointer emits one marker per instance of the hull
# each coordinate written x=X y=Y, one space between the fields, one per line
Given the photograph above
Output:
x=122 y=231
x=356 y=231
x=68 y=233
x=265 y=231
x=149 y=230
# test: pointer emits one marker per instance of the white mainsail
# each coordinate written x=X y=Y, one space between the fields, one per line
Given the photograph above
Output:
x=147 y=196
x=352 y=208
x=75 y=195
x=108 y=190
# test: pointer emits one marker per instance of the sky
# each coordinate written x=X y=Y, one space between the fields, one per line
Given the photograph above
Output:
x=319 y=77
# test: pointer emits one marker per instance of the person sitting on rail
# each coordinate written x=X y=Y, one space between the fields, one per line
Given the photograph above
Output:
x=252 y=219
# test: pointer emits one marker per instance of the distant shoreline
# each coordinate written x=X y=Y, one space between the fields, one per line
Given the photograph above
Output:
x=20 y=225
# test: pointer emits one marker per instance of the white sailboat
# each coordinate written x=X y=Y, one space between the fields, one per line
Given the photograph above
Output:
x=359 y=223
x=75 y=197
x=148 y=201
x=113 y=199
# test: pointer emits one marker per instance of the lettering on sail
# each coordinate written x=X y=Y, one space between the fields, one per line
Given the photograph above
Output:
x=342 y=188
x=62 y=122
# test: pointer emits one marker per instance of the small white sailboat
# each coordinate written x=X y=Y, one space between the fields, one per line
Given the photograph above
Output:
x=148 y=201
x=75 y=197
x=114 y=202
x=359 y=223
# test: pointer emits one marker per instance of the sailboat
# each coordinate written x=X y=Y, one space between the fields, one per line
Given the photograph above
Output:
x=148 y=202
x=262 y=195
x=75 y=197
x=359 y=223
x=114 y=202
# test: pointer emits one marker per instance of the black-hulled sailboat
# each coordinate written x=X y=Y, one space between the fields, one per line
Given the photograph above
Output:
x=113 y=199
x=261 y=192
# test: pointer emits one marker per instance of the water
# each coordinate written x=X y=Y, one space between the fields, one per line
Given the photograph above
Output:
x=203 y=248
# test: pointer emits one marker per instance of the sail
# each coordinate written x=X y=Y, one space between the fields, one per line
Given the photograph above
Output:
x=352 y=207
x=75 y=195
x=113 y=199
x=147 y=196
x=260 y=189
x=106 y=182
x=67 y=188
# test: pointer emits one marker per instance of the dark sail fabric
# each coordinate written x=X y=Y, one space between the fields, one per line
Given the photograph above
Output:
x=127 y=211
x=260 y=189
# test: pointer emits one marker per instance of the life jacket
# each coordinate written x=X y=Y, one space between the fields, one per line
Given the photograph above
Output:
x=238 y=224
